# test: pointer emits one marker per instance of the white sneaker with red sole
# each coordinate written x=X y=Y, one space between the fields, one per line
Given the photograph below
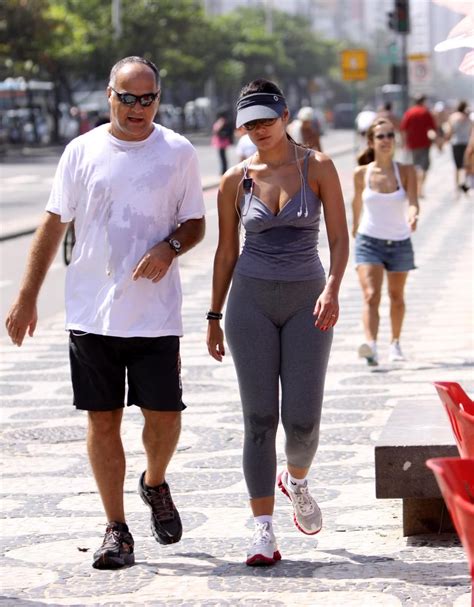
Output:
x=307 y=515
x=264 y=550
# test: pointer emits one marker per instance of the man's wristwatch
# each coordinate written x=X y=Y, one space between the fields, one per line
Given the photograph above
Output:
x=175 y=245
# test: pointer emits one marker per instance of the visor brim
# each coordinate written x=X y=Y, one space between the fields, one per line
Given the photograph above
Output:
x=257 y=112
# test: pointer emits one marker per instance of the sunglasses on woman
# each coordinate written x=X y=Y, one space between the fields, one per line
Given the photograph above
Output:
x=385 y=136
x=129 y=99
x=250 y=126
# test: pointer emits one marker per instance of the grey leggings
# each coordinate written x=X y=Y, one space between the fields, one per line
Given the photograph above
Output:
x=271 y=335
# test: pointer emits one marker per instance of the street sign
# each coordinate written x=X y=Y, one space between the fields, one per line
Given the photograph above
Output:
x=419 y=72
x=354 y=64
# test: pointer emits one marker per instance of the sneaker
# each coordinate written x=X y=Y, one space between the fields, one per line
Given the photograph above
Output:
x=307 y=515
x=117 y=548
x=370 y=354
x=264 y=549
x=395 y=354
x=165 y=521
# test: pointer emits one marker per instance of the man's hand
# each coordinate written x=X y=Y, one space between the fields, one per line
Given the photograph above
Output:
x=22 y=317
x=155 y=263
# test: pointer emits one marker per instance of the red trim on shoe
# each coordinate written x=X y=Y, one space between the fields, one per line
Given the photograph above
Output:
x=261 y=559
x=285 y=492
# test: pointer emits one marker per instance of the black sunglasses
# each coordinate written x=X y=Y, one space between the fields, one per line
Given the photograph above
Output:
x=249 y=126
x=390 y=135
x=129 y=99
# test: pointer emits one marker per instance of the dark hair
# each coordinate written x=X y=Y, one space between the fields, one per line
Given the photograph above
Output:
x=133 y=59
x=368 y=155
x=260 y=86
x=462 y=106
x=420 y=99
x=387 y=106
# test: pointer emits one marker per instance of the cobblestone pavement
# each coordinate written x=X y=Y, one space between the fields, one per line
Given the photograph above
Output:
x=52 y=519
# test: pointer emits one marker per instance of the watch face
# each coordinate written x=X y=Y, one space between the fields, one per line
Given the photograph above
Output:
x=175 y=244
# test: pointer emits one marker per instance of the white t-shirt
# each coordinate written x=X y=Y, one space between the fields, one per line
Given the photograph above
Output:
x=245 y=147
x=124 y=197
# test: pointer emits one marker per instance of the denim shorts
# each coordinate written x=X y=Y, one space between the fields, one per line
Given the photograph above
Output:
x=393 y=255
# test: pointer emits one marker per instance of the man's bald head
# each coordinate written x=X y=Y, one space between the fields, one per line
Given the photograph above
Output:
x=136 y=61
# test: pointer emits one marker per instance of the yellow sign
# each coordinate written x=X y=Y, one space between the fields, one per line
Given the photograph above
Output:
x=354 y=64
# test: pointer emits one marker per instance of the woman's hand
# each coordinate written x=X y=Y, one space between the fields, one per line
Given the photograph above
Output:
x=326 y=310
x=413 y=220
x=215 y=340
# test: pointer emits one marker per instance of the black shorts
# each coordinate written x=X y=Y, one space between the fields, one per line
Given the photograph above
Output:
x=100 y=364
x=458 y=154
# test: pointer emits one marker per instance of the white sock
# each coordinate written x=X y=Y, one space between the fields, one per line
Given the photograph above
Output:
x=295 y=481
x=373 y=345
x=263 y=518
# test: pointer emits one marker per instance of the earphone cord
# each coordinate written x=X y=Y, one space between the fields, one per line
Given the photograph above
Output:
x=303 y=189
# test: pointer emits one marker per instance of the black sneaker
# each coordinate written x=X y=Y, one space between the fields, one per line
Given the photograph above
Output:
x=165 y=521
x=117 y=548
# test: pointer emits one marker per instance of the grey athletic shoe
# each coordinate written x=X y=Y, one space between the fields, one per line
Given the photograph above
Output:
x=370 y=354
x=264 y=550
x=165 y=520
x=117 y=548
x=307 y=515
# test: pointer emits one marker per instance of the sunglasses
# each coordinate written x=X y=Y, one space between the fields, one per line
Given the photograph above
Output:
x=390 y=135
x=250 y=126
x=144 y=100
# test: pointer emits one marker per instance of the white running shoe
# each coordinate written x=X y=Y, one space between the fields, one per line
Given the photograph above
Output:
x=307 y=515
x=370 y=354
x=395 y=353
x=264 y=549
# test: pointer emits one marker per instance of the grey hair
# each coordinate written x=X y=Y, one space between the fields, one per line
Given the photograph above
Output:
x=133 y=59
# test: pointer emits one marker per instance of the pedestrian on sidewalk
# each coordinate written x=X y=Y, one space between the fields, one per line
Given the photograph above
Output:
x=133 y=190
x=418 y=129
x=281 y=309
x=459 y=131
x=222 y=136
x=384 y=212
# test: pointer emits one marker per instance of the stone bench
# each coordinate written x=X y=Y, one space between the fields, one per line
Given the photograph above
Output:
x=416 y=431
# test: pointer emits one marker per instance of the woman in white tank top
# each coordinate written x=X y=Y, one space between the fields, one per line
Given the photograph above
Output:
x=385 y=212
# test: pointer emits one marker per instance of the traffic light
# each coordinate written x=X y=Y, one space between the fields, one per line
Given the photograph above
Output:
x=402 y=10
x=392 y=20
x=399 y=19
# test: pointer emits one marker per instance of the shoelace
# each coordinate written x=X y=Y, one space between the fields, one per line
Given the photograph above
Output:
x=112 y=538
x=162 y=504
x=304 y=501
x=262 y=535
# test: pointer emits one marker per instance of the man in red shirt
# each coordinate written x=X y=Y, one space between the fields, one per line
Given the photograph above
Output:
x=417 y=122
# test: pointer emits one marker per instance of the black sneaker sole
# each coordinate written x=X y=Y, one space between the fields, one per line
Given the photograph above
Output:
x=109 y=561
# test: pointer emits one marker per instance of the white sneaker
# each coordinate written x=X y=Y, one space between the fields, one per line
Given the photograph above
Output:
x=307 y=515
x=264 y=549
x=370 y=354
x=395 y=353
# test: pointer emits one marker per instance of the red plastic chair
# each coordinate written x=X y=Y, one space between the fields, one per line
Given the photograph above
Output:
x=455 y=478
x=460 y=410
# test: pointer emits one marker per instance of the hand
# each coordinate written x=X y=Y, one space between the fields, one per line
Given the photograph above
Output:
x=155 y=263
x=354 y=231
x=22 y=317
x=413 y=222
x=326 y=311
x=215 y=340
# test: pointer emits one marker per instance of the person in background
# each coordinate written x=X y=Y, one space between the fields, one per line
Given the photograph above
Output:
x=459 y=128
x=245 y=147
x=222 y=136
x=281 y=310
x=440 y=115
x=305 y=129
x=418 y=130
x=385 y=212
x=133 y=190
x=469 y=164
x=386 y=111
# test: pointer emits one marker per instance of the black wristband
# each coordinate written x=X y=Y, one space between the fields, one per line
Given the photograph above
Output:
x=213 y=315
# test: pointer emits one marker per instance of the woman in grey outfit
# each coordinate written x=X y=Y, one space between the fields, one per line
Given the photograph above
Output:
x=281 y=309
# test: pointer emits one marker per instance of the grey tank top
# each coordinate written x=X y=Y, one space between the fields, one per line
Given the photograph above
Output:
x=282 y=246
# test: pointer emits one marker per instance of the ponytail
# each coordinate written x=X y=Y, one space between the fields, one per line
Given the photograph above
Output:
x=366 y=156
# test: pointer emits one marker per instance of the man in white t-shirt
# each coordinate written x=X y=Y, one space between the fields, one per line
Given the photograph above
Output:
x=133 y=190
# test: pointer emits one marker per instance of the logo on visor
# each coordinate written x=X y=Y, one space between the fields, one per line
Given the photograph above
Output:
x=275 y=97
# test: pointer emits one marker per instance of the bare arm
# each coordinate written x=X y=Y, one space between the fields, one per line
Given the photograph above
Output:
x=23 y=316
x=155 y=262
x=408 y=176
x=226 y=256
x=327 y=305
x=359 y=174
